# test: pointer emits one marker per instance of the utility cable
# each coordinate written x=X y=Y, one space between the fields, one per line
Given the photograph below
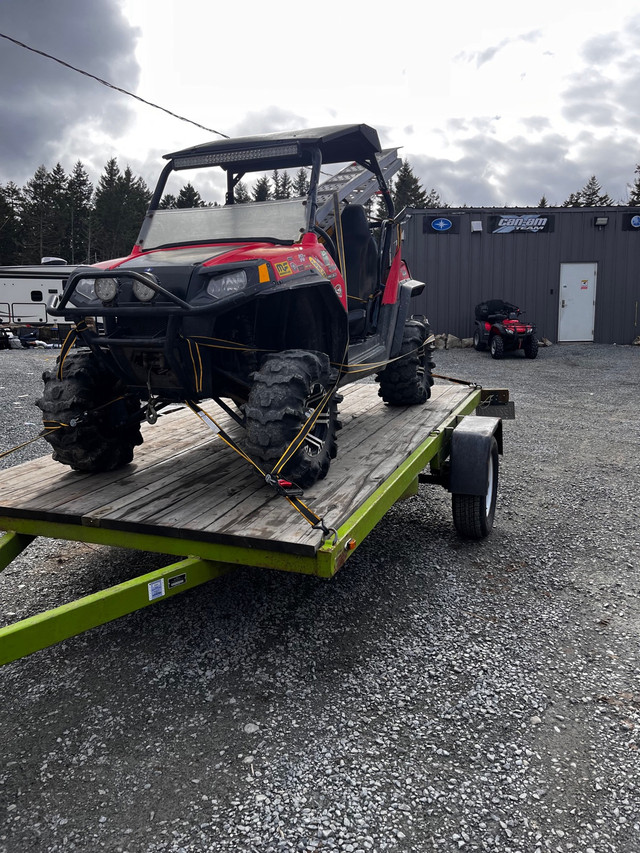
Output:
x=110 y=85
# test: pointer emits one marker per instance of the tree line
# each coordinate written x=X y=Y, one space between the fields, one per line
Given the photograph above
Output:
x=63 y=215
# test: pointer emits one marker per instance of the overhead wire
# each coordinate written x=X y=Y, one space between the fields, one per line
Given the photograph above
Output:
x=110 y=85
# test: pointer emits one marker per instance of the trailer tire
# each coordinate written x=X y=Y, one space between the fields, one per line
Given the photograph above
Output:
x=106 y=430
x=530 y=347
x=407 y=381
x=285 y=390
x=473 y=515
x=496 y=345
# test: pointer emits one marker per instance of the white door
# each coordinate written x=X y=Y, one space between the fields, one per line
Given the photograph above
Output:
x=577 y=301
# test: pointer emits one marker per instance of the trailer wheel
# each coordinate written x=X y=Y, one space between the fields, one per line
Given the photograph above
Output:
x=101 y=428
x=497 y=347
x=408 y=380
x=477 y=341
x=473 y=515
x=285 y=392
x=530 y=347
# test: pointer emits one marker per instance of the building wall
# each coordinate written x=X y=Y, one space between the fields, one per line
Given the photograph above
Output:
x=462 y=268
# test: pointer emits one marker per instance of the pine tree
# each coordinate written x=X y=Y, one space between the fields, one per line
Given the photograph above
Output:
x=168 y=201
x=301 y=183
x=407 y=191
x=433 y=199
x=241 y=193
x=634 y=195
x=42 y=214
x=120 y=204
x=10 y=227
x=189 y=197
x=277 y=184
x=79 y=193
x=543 y=202
x=590 y=195
x=574 y=200
x=286 y=186
x=262 y=189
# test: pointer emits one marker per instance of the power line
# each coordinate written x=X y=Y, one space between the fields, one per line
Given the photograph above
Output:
x=110 y=85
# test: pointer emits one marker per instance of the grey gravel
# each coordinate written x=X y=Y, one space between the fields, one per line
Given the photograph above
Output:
x=435 y=695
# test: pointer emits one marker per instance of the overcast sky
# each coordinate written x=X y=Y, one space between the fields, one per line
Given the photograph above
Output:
x=492 y=103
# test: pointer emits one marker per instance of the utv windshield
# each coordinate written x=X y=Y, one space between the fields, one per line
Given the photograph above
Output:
x=273 y=221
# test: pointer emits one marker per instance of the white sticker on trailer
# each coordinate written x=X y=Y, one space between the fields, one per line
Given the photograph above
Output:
x=156 y=589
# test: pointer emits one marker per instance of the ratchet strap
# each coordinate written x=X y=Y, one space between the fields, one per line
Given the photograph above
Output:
x=281 y=486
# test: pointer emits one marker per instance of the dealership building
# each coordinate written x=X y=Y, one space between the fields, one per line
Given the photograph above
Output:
x=574 y=271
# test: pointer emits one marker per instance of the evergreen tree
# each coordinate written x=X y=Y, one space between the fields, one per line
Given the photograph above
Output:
x=277 y=184
x=574 y=200
x=241 y=193
x=168 y=201
x=120 y=205
x=79 y=193
x=543 y=202
x=407 y=191
x=634 y=195
x=42 y=214
x=286 y=186
x=262 y=189
x=10 y=227
x=301 y=183
x=433 y=199
x=590 y=195
x=189 y=197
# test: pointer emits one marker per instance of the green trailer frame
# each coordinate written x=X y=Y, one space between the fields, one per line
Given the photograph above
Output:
x=203 y=558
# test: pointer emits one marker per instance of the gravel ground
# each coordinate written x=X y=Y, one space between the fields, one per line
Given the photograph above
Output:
x=435 y=695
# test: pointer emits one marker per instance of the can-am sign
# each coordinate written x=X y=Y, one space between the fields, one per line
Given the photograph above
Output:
x=528 y=223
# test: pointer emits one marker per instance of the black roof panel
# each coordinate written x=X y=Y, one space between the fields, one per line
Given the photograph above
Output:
x=337 y=144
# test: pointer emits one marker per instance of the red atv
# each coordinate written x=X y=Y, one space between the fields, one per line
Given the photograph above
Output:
x=499 y=327
x=266 y=307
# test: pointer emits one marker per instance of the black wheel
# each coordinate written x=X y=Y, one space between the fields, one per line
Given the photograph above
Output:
x=530 y=346
x=496 y=345
x=286 y=390
x=407 y=381
x=106 y=430
x=473 y=515
x=478 y=342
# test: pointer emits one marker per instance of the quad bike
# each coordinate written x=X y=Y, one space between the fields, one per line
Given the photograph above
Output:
x=261 y=306
x=498 y=326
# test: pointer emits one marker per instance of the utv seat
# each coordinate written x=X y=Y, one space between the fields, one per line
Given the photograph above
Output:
x=361 y=267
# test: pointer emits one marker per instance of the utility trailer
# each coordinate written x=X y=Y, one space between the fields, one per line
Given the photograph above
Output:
x=190 y=495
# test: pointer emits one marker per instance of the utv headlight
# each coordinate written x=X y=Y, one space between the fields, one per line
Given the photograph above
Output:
x=85 y=288
x=106 y=289
x=142 y=291
x=227 y=284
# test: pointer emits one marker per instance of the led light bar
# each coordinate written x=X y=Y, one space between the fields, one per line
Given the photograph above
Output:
x=196 y=161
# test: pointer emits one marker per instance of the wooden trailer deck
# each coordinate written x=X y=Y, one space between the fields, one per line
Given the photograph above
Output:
x=189 y=494
x=186 y=484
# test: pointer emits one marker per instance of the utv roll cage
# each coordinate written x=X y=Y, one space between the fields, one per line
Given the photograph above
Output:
x=312 y=147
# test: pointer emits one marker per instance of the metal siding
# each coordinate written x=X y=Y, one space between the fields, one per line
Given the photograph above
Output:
x=463 y=269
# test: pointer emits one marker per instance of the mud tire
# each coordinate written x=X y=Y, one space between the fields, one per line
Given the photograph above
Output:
x=408 y=380
x=105 y=435
x=530 y=347
x=496 y=345
x=285 y=390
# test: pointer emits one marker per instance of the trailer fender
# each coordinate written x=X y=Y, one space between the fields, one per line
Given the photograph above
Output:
x=471 y=444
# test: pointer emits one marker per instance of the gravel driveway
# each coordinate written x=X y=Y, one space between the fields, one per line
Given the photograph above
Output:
x=435 y=695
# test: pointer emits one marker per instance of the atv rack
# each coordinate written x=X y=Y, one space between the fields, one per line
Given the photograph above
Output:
x=224 y=517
